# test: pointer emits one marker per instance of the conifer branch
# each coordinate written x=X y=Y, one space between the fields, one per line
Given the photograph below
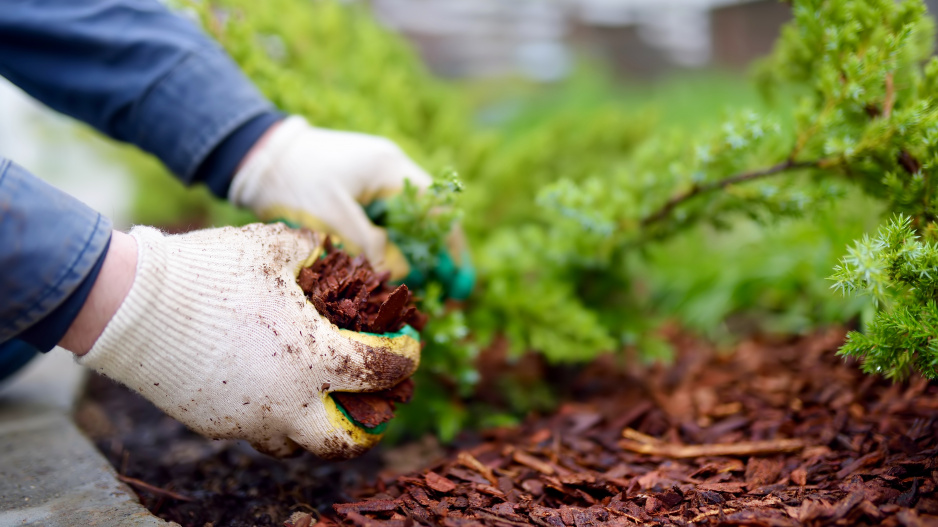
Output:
x=890 y=98
x=700 y=189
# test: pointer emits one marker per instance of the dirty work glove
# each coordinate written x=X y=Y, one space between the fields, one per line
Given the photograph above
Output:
x=217 y=333
x=320 y=179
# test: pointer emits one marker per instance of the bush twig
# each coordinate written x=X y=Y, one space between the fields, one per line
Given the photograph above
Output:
x=699 y=189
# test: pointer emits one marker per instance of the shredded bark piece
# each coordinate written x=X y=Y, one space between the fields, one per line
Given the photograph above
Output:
x=400 y=393
x=367 y=506
x=438 y=482
x=368 y=409
x=530 y=461
x=352 y=295
x=390 y=314
x=469 y=461
x=743 y=448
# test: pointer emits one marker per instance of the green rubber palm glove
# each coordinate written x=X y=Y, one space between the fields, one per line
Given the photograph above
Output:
x=452 y=267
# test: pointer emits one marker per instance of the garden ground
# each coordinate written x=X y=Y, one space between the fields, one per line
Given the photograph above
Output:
x=777 y=432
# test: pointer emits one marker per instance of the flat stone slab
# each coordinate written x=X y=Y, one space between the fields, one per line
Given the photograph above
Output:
x=50 y=473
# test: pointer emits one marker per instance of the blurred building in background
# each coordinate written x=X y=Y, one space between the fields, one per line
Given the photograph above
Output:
x=539 y=38
x=484 y=38
x=744 y=31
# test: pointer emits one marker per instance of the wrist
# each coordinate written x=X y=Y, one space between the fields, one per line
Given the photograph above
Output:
x=108 y=292
x=258 y=145
x=253 y=178
x=219 y=167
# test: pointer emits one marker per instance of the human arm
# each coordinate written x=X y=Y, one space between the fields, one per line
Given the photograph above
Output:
x=89 y=290
x=52 y=247
x=108 y=291
x=211 y=326
x=144 y=75
x=140 y=74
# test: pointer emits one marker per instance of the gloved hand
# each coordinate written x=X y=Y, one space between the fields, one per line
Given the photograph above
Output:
x=217 y=333
x=320 y=179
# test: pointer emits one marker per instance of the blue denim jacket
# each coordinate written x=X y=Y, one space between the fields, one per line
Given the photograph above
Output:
x=138 y=73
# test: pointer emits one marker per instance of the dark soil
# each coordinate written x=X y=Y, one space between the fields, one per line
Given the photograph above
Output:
x=351 y=295
x=778 y=433
x=225 y=483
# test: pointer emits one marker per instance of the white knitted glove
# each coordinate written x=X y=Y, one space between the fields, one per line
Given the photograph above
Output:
x=319 y=179
x=217 y=333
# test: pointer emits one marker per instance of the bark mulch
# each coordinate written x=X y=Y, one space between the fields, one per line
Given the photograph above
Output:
x=349 y=293
x=352 y=295
x=777 y=433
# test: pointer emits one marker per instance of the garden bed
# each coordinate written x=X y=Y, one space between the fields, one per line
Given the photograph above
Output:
x=780 y=432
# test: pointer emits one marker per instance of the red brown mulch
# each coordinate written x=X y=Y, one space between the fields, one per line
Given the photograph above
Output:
x=775 y=434
x=836 y=447
x=352 y=295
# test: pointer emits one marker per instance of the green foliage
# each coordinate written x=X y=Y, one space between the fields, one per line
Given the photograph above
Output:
x=420 y=224
x=899 y=271
x=875 y=118
x=594 y=216
x=865 y=117
x=756 y=277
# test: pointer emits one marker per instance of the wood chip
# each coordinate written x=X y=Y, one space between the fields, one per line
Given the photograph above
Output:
x=743 y=448
x=351 y=295
x=532 y=462
x=391 y=311
x=731 y=487
x=368 y=409
x=438 y=482
x=367 y=506
x=469 y=461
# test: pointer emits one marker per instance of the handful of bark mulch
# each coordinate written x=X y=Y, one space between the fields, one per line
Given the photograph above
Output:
x=351 y=295
x=781 y=433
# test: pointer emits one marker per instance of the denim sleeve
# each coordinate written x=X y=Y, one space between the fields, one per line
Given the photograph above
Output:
x=49 y=244
x=133 y=70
